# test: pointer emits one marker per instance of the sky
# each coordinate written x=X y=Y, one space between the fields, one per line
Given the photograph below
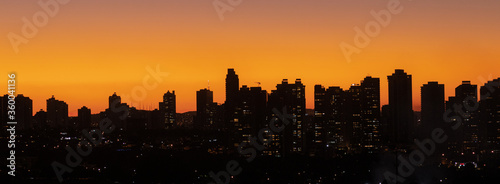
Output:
x=83 y=51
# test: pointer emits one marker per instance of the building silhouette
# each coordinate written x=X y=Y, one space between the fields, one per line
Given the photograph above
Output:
x=24 y=112
x=490 y=114
x=370 y=114
x=329 y=122
x=114 y=100
x=464 y=139
x=353 y=129
x=84 y=118
x=232 y=88
x=167 y=110
x=400 y=125
x=205 y=108
x=250 y=114
x=433 y=107
x=318 y=139
x=466 y=95
x=289 y=97
x=57 y=113
x=232 y=98
x=115 y=112
x=456 y=135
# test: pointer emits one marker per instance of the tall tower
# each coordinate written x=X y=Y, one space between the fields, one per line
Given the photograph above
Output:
x=433 y=107
x=400 y=103
x=114 y=111
x=251 y=113
x=24 y=112
x=319 y=119
x=204 y=106
x=230 y=106
x=84 y=118
x=232 y=88
x=168 y=110
x=292 y=98
x=466 y=95
x=57 y=113
x=370 y=113
x=351 y=110
x=329 y=121
x=114 y=100
x=490 y=113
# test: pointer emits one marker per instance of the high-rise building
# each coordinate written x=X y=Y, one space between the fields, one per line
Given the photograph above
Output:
x=490 y=114
x=455 y=136
x=329 y=121
x=370 y=113
x=464 y=139
x=431 y=116
x=466 y=95
x=433 y=108
x=250 y=114
x=204 y=106
x=353 y=129
x=232 y=94
x=24 y=112
x=290 y=97
x=57 y=113
x=84 y=118
x=115 y=111
x=400 y=101
x=168 y=110
x=232 y=88
x=114 y=100
x=320 y=118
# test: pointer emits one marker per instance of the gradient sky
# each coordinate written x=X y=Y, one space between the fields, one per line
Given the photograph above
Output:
x=91 y=48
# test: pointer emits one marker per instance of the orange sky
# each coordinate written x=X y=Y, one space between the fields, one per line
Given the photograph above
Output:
x=91 y=49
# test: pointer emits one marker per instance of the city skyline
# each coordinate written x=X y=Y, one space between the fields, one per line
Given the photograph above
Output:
x=153 y=103
x=343 y=123
x=250 y=91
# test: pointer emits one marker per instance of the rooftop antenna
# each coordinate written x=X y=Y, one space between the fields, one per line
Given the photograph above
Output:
x=208 y=84
x=258 y=83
